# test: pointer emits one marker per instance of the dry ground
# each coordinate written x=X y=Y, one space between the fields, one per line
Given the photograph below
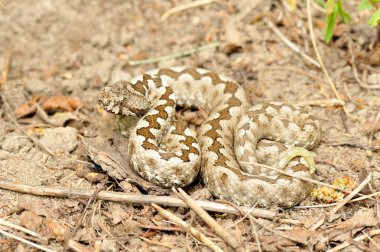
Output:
x=64 y=52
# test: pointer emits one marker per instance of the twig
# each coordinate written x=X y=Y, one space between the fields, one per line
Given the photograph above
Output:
x=174 y=55
x=157 y=243
x=343 y=202
x=371 y=241
x=298 y=177
x=25 y=230
x=369 y=196
x=34 y=140
x=196 y=233
x=25 y=241
x=124 y=197
x=351 y=195
x=183 y=7
x=290 y=44
x=314 y=43
x=258 y=222
x=359 y=238
x=218 y=229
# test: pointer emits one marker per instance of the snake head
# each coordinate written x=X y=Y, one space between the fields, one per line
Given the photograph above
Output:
x=124 y=98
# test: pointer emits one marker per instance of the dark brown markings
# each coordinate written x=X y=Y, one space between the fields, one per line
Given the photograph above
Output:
x=214 y=78
x=193 y=72
x=168 y=72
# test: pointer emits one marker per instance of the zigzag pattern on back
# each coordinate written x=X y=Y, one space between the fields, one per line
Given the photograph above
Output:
x=226 y=146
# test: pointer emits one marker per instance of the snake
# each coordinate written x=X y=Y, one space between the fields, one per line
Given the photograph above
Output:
x=225 y=148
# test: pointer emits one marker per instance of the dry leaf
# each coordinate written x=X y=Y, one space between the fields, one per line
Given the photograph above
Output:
x=56 y=229
x=49 y=104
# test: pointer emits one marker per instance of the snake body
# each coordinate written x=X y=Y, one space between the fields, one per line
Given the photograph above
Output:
x=168 y=155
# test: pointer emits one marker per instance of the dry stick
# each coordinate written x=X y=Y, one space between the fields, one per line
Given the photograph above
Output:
x=290 y=44
x=25 y=241
x=218 y=229
x=25 y=230
x=314 y=43
x=129 y=198
x=174 y=55
x=298 y=177
x=183 y=7
x=359 y=238
x=157 y=243
x=34 y=140
x=371 y=240
x=196 y=233
x=334 y=204
x=258 y=222
x=343 y=202
x=351 y=195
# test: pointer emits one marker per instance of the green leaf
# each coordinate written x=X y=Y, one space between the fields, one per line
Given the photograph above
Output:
x=330 y=22
x=343 y=15
x=375 y=19
x=330 y=6
x=365 y=5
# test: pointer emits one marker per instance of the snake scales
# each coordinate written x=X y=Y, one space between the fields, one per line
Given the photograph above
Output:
x=169 y=155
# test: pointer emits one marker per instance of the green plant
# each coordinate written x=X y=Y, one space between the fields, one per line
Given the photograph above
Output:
x=335 y=9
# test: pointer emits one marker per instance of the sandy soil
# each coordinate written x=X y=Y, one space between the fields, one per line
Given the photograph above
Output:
x=69 y=50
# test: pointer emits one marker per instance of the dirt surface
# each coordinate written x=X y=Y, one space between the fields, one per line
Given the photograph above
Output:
x=59 y=54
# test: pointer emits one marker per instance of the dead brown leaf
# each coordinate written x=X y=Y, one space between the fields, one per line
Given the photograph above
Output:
x=38 y=208
x=58 y=230
x=32 y=221
x=49 y=104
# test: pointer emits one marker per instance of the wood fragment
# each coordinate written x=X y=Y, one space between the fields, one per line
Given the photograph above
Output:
x=156 y=243
x=25 y=241
x=359 y=238
x=218 y=229
x=194 y=232
x=127 y=198
x=5 y=223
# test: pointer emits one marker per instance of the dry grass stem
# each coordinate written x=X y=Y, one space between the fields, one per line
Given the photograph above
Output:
x=290 y=44
x=218 y=229
x=194 y=232
x=351 y=195
x=183 y=7
x=174 y=55
x=166 y=245
x=314 y=43
x=359 y=238
x=25 y=230
x=301 y=178
x=343 y=202
x=127 y=198
x=5 y=233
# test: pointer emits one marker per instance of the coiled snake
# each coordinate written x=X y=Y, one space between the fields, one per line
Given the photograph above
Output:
x=226 y=145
